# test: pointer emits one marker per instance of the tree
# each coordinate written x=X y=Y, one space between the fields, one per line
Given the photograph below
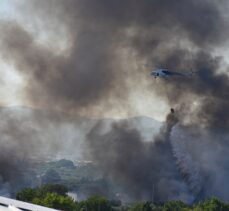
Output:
x=64 y=163
x=95 y=203
x=54 y=188
x=142 y=206
x=51 y=176
x=175 y=206
x=28 y=194
x=53 y=196
x=56 y=201
x=213 y=204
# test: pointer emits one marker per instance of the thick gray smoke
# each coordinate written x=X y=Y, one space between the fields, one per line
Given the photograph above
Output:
x=181 y=35
x=29 y=136
x=90 y=70
x=202 y=160
x=144 y=170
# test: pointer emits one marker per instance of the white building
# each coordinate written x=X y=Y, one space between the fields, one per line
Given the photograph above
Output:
x=7 y=204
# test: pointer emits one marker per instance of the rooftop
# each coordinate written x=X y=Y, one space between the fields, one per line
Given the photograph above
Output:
x=7 y=204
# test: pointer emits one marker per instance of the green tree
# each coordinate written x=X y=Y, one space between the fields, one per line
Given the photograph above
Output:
x=95 y=203
x=54 y=188
x=53 y=196
x=56 y=201
x=51 y=176
x=28 y=194
x=213 y=204
x=175 y=206
x=141 y=206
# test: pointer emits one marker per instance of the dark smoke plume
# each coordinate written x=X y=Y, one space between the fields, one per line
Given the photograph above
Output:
x=144 y=170
x=179 y=35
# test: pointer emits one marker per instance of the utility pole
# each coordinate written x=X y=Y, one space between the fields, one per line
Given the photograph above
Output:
x=153 y=193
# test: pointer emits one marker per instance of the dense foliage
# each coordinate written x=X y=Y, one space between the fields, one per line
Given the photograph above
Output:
x=55 y=196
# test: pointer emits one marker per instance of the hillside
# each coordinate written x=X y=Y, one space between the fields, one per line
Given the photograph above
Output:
x=52 y=135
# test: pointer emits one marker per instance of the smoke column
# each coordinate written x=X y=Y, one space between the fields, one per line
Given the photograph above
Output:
x=90 y=71
x=144 y=170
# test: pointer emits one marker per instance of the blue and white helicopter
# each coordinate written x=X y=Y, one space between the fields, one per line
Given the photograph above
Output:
x=165 y=73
